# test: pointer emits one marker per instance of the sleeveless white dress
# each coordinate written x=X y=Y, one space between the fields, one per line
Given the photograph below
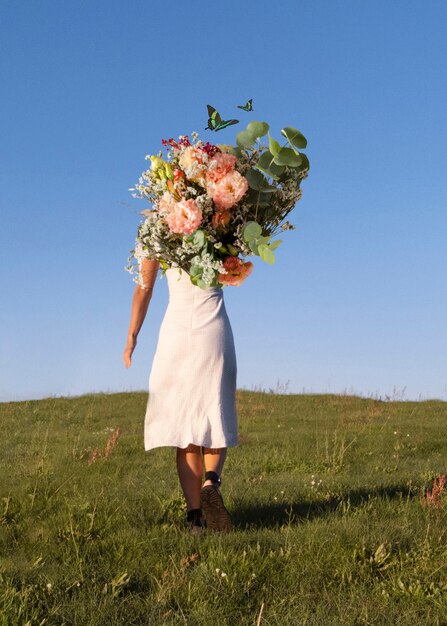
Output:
x=192 y=383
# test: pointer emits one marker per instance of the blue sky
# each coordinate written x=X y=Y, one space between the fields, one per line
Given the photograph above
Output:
x=356 y=301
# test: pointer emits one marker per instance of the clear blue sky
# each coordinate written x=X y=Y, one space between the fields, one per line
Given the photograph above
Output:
x=357 y=299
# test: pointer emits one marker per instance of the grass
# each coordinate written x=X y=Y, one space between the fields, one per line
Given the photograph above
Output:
x=336 y=522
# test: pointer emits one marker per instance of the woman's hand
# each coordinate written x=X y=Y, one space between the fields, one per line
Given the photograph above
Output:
x=130 y=347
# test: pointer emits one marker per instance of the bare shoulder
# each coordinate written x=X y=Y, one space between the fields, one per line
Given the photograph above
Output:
x=149 y=270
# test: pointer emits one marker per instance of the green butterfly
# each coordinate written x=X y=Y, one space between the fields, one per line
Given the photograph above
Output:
x=246 y=107
x=215 y=122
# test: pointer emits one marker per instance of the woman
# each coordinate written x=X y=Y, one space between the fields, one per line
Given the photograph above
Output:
x=192 y=389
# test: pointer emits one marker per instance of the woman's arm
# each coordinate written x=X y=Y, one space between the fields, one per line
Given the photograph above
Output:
x=140 y=303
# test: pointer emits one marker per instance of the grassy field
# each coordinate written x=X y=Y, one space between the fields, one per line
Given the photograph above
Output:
x=339 y=516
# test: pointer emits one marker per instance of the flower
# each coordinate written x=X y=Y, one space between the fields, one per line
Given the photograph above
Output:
x=166 y=203
x=229 y=190
x=162 y=169
x=192 y=162
x=237 y=271
x=183 y=217
x=221 y=219
x=220 y=165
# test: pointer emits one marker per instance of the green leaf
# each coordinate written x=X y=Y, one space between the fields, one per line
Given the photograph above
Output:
x=258 y=182
x=274 y=146
x=253 y=245
x=257 y=129
x=198 y=238
x=263 y=239
x=264 y=198
x=266 y=254
x=195 y=271
x=266 y=164
x=201 y=283
x=304 y=162
x=294 y=136
x=289 y=157
x=275 y=244
x=251 y=230
x=244 y=139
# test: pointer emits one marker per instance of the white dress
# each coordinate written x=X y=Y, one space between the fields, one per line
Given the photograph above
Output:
x=192 y=383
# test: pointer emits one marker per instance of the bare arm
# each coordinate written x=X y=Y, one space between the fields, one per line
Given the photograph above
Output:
x=140 y=302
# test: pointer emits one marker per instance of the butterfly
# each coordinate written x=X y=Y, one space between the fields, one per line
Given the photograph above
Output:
x=246 y=107
x=215 y=122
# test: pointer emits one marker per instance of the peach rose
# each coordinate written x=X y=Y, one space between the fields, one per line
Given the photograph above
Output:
x=193 y=162
x=183 y=217
x=237 y=271
x=229 y=190
x=220 y=165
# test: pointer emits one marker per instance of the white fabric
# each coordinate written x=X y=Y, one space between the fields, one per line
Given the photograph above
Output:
x=192 y=384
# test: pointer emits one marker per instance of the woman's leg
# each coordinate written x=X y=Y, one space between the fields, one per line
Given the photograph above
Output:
x=190 y=473
x=214 y=459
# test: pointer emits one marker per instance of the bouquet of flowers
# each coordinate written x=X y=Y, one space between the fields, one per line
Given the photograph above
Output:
x=214 y=204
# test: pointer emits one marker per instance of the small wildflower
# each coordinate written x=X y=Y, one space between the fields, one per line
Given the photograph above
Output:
x=94 y=455
x=112 y=441
x=433 y=497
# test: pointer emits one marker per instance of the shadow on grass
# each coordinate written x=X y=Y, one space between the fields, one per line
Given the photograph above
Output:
x=283 y=513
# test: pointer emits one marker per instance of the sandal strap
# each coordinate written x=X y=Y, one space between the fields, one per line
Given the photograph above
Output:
x=214 y=477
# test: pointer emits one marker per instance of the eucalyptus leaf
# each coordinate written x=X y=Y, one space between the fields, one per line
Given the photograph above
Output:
x=257 y=181
x=253 y=245
x=264 y=199
x=244 y=139
x=275 y=244
x=266 y=164
x=195 y=271
x=199 y=238
x=263 y=240
x=294 y=136
x=266 y=254
x=274 y=146
x=257 y=129
x=251 y=230
x=304 y=162
x=289 y=157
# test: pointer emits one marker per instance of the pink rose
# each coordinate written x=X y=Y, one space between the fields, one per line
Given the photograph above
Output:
x=237 y=271
x=183 y=217
x=229 y=190
x=220 y=165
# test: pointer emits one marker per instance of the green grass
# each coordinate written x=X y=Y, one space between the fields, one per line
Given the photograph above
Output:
x=325 y=492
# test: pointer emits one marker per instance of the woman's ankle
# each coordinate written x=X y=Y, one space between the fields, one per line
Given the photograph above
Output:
x=211 y=478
